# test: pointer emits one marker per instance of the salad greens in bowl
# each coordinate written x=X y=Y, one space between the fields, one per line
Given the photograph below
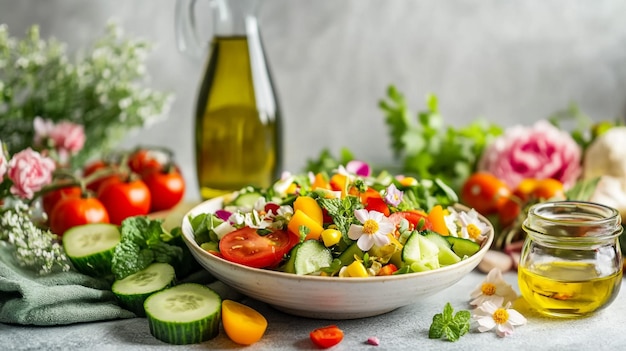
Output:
x=338 y=245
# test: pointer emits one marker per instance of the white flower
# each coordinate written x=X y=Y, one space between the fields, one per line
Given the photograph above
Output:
x=451 y=222
x=471 y=226
x=373 y=231
x=494 y=289
x=504 y=319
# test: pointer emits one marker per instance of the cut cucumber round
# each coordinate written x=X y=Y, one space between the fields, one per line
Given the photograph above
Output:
x=463 y=247
x=446 y=255
x=184 y=314
x=308 y=257
x=90 y=247
x=133 y=290
x=421 y=253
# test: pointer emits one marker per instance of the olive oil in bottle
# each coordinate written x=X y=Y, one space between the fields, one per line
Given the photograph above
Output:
x=237 y=119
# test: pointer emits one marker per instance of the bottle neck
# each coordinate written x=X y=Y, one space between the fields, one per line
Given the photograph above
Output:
x=233 y=17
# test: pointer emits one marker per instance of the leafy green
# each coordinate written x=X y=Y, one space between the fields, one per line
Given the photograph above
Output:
x=450 y=326
x=429 y=149
x=141 y=244
x=326 y=162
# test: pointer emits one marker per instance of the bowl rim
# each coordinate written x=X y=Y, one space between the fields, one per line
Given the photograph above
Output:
x=187 y=233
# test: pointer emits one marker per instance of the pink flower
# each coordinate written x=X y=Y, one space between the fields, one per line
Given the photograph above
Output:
x=29 y=171
x=3 y=162
x=68 y=139
x=541 y=151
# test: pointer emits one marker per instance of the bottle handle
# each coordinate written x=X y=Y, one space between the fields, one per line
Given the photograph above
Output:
x=186 y=34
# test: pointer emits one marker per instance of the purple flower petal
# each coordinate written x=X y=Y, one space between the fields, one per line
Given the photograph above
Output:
x=359 y=168
x=223 y=214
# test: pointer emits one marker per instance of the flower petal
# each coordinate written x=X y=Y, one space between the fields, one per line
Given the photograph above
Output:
x=355 y=231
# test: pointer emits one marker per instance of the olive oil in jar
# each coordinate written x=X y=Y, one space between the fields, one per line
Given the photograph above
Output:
x=567 y=288
x=237 y=120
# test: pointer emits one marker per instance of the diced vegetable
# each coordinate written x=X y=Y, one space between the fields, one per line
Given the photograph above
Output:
x=421 y=253
x=463 y=247
x=331 y=237
x=302 y=219
x=184 y=314
x=446 y=256
x=310 y=207
x=326 y=337
x=436 y=218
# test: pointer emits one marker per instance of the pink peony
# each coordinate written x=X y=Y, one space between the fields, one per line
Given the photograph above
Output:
x=66 y=137
x=541 y=151
x=29 y=171
x=3 y=162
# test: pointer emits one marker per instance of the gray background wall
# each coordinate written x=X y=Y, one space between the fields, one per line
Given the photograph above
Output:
x=506 y=61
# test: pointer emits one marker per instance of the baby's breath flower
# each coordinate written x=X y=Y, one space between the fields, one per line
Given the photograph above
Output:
x=35 y=248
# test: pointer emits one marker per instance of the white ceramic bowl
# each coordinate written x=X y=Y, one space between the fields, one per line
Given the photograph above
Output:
x=328 y=297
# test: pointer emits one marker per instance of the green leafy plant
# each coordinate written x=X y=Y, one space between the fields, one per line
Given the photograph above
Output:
x=449 y=325
x=427 y=147
x=100 y=90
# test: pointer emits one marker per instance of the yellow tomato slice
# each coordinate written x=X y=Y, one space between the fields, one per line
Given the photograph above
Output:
x=243 y=324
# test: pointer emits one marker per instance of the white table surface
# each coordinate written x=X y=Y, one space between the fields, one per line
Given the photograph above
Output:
x=403 y=329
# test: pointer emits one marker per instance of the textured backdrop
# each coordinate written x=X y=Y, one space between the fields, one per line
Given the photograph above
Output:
x=332 y=60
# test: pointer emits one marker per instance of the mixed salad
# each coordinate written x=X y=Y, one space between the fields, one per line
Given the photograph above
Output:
x=345 y=223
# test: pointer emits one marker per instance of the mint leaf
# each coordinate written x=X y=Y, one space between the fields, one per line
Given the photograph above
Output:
x=450 y=325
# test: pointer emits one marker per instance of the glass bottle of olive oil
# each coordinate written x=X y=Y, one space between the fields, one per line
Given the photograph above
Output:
x=237 y=118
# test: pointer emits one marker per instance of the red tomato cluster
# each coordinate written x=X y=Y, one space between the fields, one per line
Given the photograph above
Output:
x=490 y=195
x=147 y=182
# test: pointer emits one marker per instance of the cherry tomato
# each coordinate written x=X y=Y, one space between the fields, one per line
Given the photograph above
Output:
x=548 y=188
x=94 y=167
x=377 y=204
x=166 y=189
x=73 y=211
x=245 y=246
x=125 y=199
x=484 y=192
x=414 y=218
x=145 y=161
x=243 y=324
x=509 y=211
x=326 y=337
x=49 y=200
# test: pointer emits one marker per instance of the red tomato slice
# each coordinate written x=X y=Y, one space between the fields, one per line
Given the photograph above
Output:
x=245 y=246
x=326 y=337
x=377 y=204
x=414 y=218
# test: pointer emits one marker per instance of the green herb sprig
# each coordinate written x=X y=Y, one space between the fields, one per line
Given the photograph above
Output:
x=449 y=325
x=427 y=147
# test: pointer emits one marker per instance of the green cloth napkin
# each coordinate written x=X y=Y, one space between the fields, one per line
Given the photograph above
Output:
x=54 y=299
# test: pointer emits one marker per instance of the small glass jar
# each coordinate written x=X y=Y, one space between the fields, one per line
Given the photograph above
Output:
x=571 y=263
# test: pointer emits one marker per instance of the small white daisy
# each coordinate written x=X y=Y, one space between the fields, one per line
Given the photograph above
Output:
x=373 y=231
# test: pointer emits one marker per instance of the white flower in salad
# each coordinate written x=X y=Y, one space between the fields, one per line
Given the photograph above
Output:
x=374 y=229
x=466 y=225
x=494 y=289
x=504 y=319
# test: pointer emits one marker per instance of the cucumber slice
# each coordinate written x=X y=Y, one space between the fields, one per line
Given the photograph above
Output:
x=463 y=247
x=90 y=247
x=247 y=199
x=446 y=256
x=133 y=290
x=184 y=314
x=308 y=257
x=421 y=253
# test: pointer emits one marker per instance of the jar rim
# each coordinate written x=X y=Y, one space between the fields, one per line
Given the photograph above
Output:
x=573 y=220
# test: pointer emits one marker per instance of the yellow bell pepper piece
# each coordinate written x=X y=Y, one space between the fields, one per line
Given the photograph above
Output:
x=356 y=269
x=309 y=206
x=300 y=218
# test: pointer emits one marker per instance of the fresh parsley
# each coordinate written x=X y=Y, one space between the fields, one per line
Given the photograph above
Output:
x=449 y=325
